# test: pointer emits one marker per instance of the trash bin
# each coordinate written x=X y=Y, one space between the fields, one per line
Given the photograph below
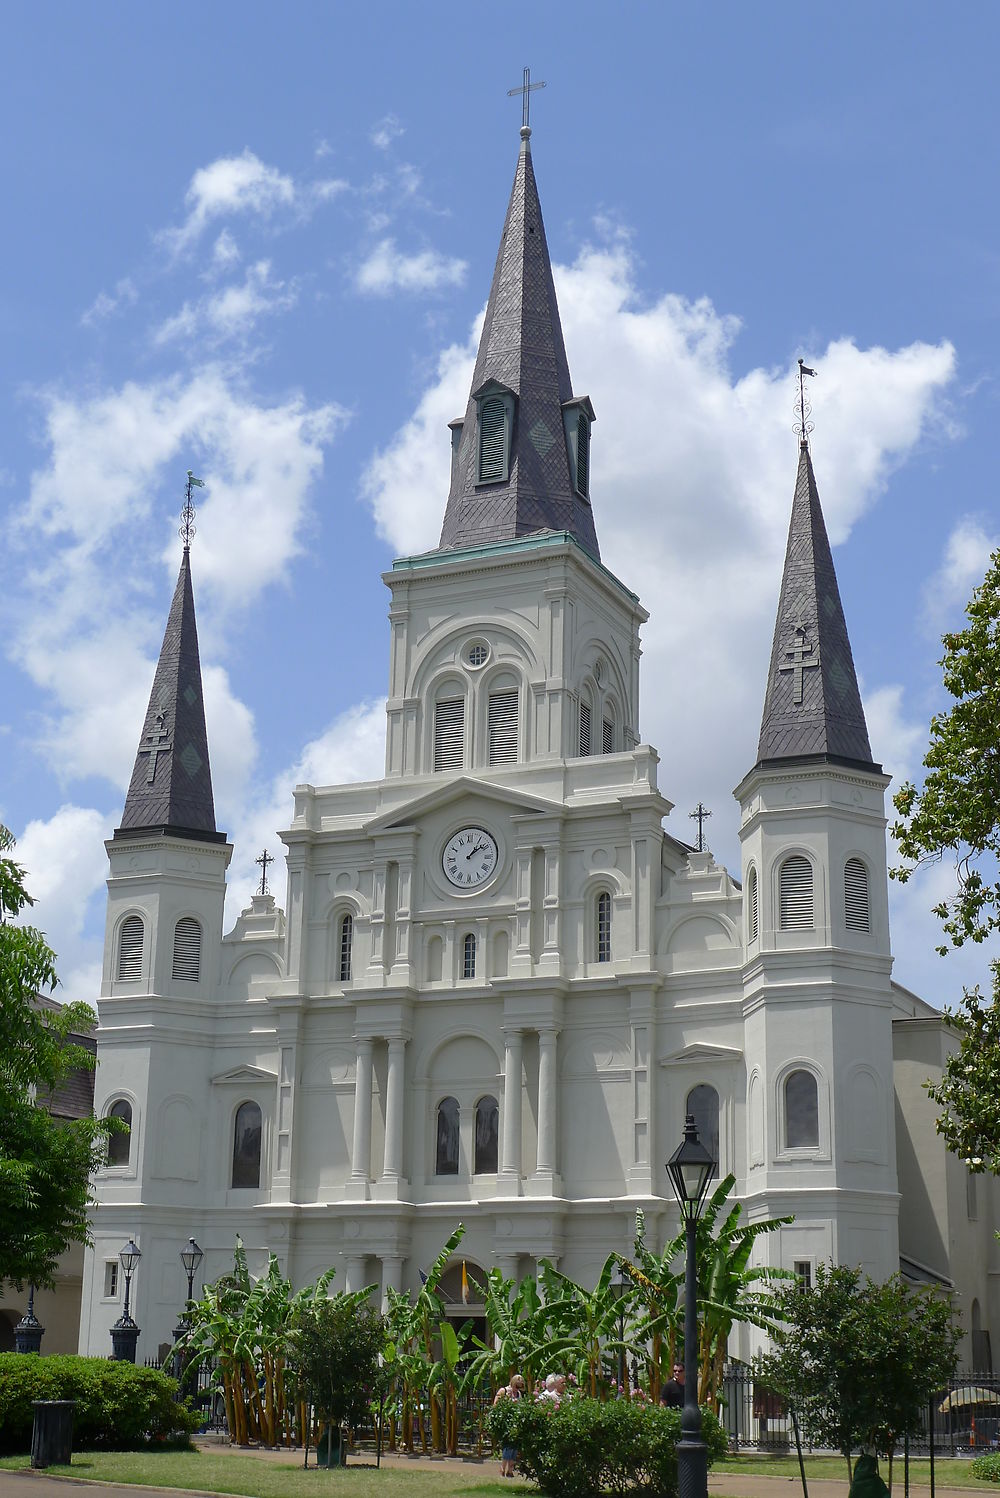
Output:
x=52 y=1432
x=332 y=1448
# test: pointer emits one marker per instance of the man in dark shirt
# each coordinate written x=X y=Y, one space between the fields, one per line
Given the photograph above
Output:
x=672 y=1393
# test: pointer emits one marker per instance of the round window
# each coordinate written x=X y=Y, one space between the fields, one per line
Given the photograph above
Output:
x=477 y=654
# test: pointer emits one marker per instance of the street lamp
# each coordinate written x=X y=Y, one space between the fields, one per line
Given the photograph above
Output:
x=191 y=1257
x=690 y=1168
x=125 y=1333
x=29 y=1330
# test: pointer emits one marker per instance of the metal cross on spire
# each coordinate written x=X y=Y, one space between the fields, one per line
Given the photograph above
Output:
x=264 y=859
x=188 y=513
x=526 y=90
x=803 y=410
x=700 y=815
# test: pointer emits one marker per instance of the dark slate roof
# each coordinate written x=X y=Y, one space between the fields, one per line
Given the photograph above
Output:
x=171 y=786
x=812 y=707
x=522 y=349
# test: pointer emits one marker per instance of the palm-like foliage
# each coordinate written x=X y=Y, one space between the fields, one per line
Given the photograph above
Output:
x=415 y=1326
x=588 y=1324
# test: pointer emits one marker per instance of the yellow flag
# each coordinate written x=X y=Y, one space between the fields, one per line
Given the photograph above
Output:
x=465 y=1285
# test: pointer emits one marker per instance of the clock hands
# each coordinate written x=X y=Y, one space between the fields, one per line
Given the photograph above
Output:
x=480 y=849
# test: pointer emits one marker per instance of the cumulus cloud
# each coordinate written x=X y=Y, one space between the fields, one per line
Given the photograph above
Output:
x=386 y=131
x=66 y=866
x=232 y=312
x=107 y=304
x=225 y=251
x=229 y=185
x=966 y=556
x=387 y=270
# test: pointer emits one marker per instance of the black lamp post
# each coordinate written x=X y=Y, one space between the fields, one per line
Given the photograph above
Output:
x=125 y=1333
x=29 y=1330
x=191 y=1257
x=690 y=1169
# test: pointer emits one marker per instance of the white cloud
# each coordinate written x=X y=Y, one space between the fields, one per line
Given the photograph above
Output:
x=386 y=131
x=229 y=185
x=328 y=188
x=232 y=312
x=387 y=270
x=966 y=556
x=225 y=251
x=66 y=867
x=106 y=304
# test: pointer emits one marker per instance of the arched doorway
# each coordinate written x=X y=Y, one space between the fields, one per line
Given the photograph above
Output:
x=460 y=1310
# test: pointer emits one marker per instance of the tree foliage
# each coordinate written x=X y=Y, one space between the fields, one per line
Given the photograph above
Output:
x=858 y=1361
x=336 y=1346
x=45 y=1163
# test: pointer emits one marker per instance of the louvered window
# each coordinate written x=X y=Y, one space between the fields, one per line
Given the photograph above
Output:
x=603 y=933
x=492 y=439
x=130 y=949
x=583 y=454
x=502 y=727
x=187 y=950
x=346 y=943
x=469 y=956
x=856 y=895
x=752 y=917
x=584 y=729
x=449 y=733
x=608 y=736
x=795 y=894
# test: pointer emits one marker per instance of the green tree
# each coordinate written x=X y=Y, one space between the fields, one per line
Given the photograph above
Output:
x=336 y=1345
x=859 y=1361
x=45 y=1163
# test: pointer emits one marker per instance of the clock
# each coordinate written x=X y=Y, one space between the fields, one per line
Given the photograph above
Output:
x=470 y=858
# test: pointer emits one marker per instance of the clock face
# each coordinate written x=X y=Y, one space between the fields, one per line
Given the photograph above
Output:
x=469 y=858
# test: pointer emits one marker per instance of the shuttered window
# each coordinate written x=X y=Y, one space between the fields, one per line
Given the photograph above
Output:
x=856 y=895
x=608 y=736
x=583 y=454
x=795 y=894
x=187 y=950
x=752 y=904
x=603 y=932
x=130 y=949
x=346 y=942
x=469 y=956
x=584 y=729
x=449 y=733
x=502 y=727
x=492 y=439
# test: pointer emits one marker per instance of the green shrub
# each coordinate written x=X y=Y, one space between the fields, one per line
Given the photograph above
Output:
x=987 y=1468
x=118 y=1406
x=582 y=1446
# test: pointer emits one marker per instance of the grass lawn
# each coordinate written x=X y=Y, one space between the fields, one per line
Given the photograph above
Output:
x=949 y=1472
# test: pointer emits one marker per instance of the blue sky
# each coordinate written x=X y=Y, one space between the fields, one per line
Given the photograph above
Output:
x=257 y=244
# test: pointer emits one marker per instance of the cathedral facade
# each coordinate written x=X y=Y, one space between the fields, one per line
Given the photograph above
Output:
x=498 y=983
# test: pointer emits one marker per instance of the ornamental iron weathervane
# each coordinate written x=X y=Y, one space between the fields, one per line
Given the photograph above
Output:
x=803 y=409
x=700 y=815
x=526 y=90
x=264 y=859
x=188 y=513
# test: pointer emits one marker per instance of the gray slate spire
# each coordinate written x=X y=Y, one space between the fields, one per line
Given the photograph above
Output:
x=171 y=786
x=812 y=706
x=522 y=350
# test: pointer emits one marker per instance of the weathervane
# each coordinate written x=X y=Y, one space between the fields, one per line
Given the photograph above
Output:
x=264 y=859
x=188 y=513
x=526 y=90
x=700 y=815
x=803 y=410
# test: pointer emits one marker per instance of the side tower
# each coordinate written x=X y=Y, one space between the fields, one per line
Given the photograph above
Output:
x=816 y=980
x=162 y=954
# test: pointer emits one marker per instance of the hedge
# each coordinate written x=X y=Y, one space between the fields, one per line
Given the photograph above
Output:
x=119 y=1407
x=581 y=1446
x=987 y=1468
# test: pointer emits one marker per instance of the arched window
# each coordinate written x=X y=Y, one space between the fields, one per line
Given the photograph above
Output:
x=703 y=1105
x=187 y=950
x=602 y=928
x=345 y=944
x=584 y=729
x=449 y=733
x=801 y=1111
x=856 y=895
x=246 y=1147
x=608 y=735
x=469 y=956
x=130 y=939
x=446 y=1151
x=795 y=894
x=583 y=455
x=501 y=726
x=752 y=905
x=487 y=1136
x=120 y=1145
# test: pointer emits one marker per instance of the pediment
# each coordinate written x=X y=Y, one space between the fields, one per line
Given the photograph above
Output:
x=462 y=789
x=491 y=387
x=700 y=1050
x=244 y=1074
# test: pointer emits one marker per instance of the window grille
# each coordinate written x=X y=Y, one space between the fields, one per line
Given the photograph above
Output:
x=795 y=894
x=856 y=895
x=608 y=736
x=583 y=454
x=449 y=733
x=469 y=956
x=110 y=1279
x=346 y=943
x=502 y=727
x=478 y=655
x=801 y=1111
x=487 y=1136
x=603 y=944
x=803 y=1271
x=703 y=1105
x=752 y=923
x=492 y=439
x=446 y=1151
x=187 y=950
x=119 y=1145
x=584 y=729
x=130 y=939
x=246 y=1147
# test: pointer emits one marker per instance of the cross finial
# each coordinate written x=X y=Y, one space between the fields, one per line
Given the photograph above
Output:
x=526 y=90
x=188 y=513
x=803 y=410
x=264 y=859
x=700 y=815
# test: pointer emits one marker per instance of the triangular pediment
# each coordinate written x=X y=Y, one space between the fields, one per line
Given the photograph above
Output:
x=700 y=1050
x=491 y=387
x=245 y=1074
x=466 y=787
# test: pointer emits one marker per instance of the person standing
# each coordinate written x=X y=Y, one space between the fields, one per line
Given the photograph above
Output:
x=508 y=1454
x=672 y=1393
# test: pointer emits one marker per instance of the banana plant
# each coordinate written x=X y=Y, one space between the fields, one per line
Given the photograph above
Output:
x=588 y=1322
x=413 y=1326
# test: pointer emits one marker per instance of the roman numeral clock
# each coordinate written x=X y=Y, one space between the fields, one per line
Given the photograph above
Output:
x=469 y=859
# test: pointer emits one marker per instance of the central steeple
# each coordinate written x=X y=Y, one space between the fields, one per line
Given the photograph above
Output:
x=521 y=456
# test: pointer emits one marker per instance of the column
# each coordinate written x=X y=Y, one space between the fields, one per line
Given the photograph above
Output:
x=392 y=1165
x=512 y=1111
x=392 y=1276
x=361 y=1153
x=355 y=1270
x=547 y=1088
x=509 y=1266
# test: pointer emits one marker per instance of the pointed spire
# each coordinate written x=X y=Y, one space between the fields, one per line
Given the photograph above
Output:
x=171 y=786
x=521 y=354
x=812 y=706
